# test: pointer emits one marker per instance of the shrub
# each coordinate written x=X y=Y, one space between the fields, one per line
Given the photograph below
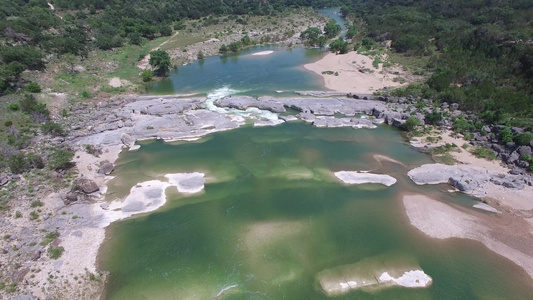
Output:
x=410 y=124
x=8 y=123
x=60 y=159
x=223 y=49
x=55 y=252
x=13 y=106
x=147 y=75
x=33 y=87
x=483 y=152
x=200 y=55
x=85 y=94
x=17 y=163
x=53 y=129
x=35 y=161
x=523 y=138
x=36 y=203
x=505 y=135
x=433 y=117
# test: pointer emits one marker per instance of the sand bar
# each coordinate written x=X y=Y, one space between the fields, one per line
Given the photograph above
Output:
x=261 y=53
x=356 y=177
x=355 y=73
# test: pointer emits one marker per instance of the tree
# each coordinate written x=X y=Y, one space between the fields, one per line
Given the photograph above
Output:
x=332 y=29
x=410 y=124
x=223 y=49
x=200 y=55
x=33 y=87
x=160 y=60
x=165 y=30
x=339 y=46
x=310 y=35
x=147 y=75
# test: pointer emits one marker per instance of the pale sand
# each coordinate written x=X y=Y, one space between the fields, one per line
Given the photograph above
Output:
x=188 y=183
x=410 y=279
x=510 y=198
x=442 y=221
x=261 y=53
x=115 y=82
x=350 y=79
x=355 y=177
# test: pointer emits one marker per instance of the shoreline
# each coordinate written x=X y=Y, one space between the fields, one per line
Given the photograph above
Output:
x=352 y=73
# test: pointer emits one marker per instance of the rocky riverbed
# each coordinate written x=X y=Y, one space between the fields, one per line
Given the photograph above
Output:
x=71 y=217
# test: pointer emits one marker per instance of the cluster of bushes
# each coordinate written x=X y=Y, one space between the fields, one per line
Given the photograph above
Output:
x=58 y=159
x=478 y=51
x=236 y=46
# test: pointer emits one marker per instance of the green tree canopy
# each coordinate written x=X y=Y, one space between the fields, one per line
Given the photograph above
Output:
x=160 y=60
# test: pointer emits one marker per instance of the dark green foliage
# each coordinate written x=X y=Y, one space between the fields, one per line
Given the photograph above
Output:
x=339 y=46
x=160 y=60
x=165 y=30
x=223 y=49
x=246 y=41
x=477 y=50
x=147 y=75
x=135 y=38
x=523 y=138
x=33 y=87
x=351 y=31
x=462 y=125
x=17 y=163
x=332 y=29
x=311 y=35
x=410 y=124
x=8 y=123
x=53 y=129
x=30 y=106
x=505 y=135
x=433 y=117
x=35 y=160
x=60 y=159
x=235 y=46
x=13 y=106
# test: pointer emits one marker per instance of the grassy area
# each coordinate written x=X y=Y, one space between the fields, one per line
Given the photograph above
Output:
x=180 y=40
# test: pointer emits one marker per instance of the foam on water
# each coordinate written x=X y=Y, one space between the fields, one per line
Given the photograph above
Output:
x=251 y=112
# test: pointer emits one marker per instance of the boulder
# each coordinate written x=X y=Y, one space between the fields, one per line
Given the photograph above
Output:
x=35 y=255
x=397 y=122
x=19 y=275
x=513 y=157
x=127 y=140
x=516 y=171
x=85 y=185
x=454 y=106
x=522 y=164
x=70 y=197
x=513 y=185
x=524 y=150
x=4 y=179
x=462 y=184
x=106 y=168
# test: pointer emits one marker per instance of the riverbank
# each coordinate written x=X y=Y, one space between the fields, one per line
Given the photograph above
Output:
x=355 y=73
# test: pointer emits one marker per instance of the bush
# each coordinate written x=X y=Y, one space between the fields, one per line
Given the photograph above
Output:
x=200 y=55
x=60 y=159
x=8 y=123
x=35 y=160
x=85 y=94
x=33 y=87
x=433 y=117
x=505 y=135
x=223 y=49
x=53 y=129
x=17 y=163
x=55 y=252
x=147 y=75
x=482 y=152
x=523 y=138
x=13 y=106
x=410 y=124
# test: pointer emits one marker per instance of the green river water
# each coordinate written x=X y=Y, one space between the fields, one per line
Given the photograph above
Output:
x=272 y=216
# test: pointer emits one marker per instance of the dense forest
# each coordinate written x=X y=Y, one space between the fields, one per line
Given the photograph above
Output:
x=479 y=52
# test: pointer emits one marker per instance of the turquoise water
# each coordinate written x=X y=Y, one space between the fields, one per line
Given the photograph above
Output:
x=248 y=74
x=272 y=218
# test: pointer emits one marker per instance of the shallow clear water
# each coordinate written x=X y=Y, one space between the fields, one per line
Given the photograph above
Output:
x=272 y=217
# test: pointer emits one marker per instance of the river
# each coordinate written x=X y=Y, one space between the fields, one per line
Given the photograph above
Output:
x=273 y=222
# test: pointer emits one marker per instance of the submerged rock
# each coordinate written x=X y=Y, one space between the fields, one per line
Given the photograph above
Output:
x=106 y=168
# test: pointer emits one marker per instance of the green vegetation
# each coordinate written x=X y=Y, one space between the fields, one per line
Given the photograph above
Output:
x=410 y=124
x=483 y=152
x=160 y=60
x=477 y=51
x=49 y=237
x=55 y=252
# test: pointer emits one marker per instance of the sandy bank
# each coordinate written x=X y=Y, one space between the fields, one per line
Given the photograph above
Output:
x=355 y=73
x=442 y=221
